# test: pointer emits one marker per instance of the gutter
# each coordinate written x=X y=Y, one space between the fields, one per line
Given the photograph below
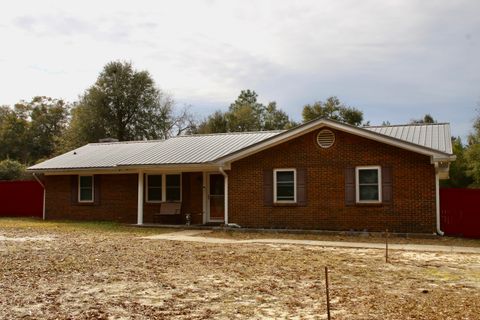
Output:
x=437 y=201
x=226 y=193
x=44 y=194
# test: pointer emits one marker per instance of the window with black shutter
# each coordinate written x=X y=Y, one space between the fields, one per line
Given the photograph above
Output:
x=284 y=186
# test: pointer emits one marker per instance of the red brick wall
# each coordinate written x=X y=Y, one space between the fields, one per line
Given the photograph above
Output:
x=412 y=209
x=118 y=200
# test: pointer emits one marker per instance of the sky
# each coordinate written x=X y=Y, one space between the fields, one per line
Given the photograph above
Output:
x=394 y=60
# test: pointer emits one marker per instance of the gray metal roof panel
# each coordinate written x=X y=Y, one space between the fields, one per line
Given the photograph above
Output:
x=196 y=148
x=95 y=155
x=193 y=149
x=435 y=136
x=202 y=149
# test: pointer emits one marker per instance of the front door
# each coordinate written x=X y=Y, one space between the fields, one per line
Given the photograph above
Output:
x=216 y=197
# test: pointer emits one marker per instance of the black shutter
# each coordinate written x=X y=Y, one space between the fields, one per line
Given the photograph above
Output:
x=387 y=185
x=96 y=189
x=302 y=187
x=350 y=186
x=268 y=187
x=74 y=189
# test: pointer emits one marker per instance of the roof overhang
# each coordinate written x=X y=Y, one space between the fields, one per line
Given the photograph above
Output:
x=435 y=155
x=189 y=167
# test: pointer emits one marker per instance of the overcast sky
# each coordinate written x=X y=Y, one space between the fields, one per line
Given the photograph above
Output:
x=395 y=60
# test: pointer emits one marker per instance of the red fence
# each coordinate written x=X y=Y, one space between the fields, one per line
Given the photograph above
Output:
x=21 y=199
x=460 y=212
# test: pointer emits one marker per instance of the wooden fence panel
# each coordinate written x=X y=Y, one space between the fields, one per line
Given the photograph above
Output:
x=460 y=212
x=21 y=199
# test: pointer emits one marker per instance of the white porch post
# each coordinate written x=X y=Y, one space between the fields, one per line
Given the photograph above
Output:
x=140 y=199
x=225 y=175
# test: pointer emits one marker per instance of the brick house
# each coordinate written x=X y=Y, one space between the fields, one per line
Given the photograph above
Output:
x=321 y=175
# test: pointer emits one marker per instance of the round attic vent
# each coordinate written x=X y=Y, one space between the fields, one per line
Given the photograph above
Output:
x=325 y=138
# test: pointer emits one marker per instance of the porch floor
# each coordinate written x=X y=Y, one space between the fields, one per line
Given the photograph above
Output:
x=208 y=226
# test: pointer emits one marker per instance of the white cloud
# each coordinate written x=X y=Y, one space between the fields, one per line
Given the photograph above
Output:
x=389 y=58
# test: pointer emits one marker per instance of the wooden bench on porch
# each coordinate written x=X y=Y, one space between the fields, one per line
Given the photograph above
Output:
x=169 y=209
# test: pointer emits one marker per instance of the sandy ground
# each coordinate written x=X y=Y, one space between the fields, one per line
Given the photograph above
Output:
x=92 y=273
x=207 y=236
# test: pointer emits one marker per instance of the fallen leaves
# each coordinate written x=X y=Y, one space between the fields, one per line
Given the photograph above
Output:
x=90 y=274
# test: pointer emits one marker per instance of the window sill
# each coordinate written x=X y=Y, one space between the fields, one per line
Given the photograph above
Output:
x=285 y=204
x=366 y=204
x=85 y=203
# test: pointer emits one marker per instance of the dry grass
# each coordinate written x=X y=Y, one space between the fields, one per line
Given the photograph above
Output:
x=75 y=226
x=101 y=271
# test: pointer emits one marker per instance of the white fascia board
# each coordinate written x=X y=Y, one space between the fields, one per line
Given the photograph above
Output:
x=82 y=171
x=133 y=169
x=449 y=158
x=210 y=167
x=314 y=125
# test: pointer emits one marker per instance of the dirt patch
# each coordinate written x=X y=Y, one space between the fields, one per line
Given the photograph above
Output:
x=90 y=273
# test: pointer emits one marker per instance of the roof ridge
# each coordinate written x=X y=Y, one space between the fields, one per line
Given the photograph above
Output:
x=228 y=133
x=407 y=125
x=126 y=142
x=187 y=135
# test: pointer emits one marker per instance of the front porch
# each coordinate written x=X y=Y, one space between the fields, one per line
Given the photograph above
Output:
x=199 y=196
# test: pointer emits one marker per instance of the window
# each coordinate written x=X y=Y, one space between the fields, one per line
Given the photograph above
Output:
x=368 y=184
x=154 y=188
x=285 y=185
x=164 y=187
x=173 y=187
x=85 y=188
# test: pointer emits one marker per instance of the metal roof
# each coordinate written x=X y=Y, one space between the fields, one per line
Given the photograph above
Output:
x=95 y=155
x=208 y=148
x=191 y=149
x=197 y=148
x=434 y=136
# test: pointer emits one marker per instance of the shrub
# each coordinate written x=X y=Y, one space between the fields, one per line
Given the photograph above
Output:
x=11 y=170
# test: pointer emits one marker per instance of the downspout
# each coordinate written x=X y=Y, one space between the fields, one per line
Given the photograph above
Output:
x=44 y=194
x=437 y=200
x=226 y=194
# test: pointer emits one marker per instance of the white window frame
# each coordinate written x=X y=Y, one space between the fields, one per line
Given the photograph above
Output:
x=79 y=188
x=147 y=188
x=294 y=185
x=357 y=183
x=164 y=186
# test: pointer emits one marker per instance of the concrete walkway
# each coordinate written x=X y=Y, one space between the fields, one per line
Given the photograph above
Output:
x=196 y=236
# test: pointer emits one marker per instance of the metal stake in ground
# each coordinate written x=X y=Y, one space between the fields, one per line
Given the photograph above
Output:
x=328 y=294
x=386 y=246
